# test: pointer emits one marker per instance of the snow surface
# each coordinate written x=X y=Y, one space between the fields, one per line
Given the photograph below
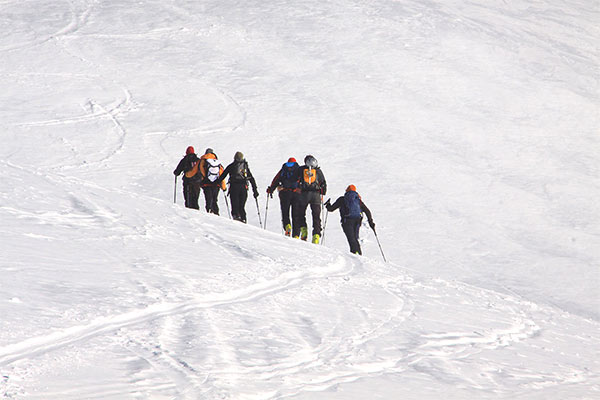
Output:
x=471 y=129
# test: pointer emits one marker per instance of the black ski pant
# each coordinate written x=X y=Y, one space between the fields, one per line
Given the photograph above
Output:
x=191 y=193
x=238 y=193
x=351 y=227
x=312 y=198
x=290 y=201
x=211 y=195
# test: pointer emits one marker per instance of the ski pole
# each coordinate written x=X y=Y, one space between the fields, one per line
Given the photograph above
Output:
x=227 y=204
x=258 y=210
x=267 y=210
x=175 y=191
x=324 y=226
x=379 y=244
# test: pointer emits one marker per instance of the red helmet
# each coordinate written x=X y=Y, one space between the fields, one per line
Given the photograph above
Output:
x=291 y=159
x=189 y=150
x=351 y=188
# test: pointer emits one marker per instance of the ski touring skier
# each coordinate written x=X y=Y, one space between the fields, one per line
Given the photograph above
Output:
x=286 y=183
x=312 y=189
x=239 y=176
x=351 y=208
x=191 y=178
x=210 y=170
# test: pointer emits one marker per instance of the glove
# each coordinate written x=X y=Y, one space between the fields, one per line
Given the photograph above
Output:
x=255 y=194
x=269 y=190
x=372 y=225
x=328 y=202
x=175 y=173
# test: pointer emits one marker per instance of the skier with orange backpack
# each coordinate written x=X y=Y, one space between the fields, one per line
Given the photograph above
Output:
x=191 y=178
x=351 y=208
x=286 y=183
x=312 y=189
x=211 y=169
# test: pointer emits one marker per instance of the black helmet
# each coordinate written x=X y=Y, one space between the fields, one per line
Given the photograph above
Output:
x=310 y=161
x=209 y=151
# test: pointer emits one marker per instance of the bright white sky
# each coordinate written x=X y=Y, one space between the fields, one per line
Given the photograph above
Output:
x=470 y=129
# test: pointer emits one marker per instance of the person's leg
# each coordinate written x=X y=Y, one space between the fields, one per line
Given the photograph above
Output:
x=303 y=228
x=242 y=198
x=234 y=196
x=207 y=198
x=315 y=206
x=350 y=229
x=194 y=192
x=285 y=201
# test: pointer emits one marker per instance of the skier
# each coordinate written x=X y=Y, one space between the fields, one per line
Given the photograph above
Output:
x=210 y=170
x=312 y=189
x=239 y=176
x=191 y=178
x=351 y=208
x=289 y=195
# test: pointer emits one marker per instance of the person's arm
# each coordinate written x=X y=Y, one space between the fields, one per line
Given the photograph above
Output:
x=366 y=210
x=252 y=181
x=323 y=182
x=274 y=183
x=179 y=168
x=332 y=207
x=224 y=173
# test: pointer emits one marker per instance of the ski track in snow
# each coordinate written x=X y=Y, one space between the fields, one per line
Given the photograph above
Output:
x=78 y=19
x=40 y=345
x=337 y=356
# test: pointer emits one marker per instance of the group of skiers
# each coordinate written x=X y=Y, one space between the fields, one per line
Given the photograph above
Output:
x=299 y=187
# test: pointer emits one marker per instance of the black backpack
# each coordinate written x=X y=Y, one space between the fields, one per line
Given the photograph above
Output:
x=240 y=171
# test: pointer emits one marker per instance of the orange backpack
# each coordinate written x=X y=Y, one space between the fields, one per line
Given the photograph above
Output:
x=192 y=171
x=309 y=177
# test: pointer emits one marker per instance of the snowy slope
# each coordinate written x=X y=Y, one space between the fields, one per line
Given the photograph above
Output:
x=469 y=128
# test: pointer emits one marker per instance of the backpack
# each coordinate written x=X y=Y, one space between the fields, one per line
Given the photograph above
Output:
x=309 y=178
x=352 y=202
x=240 y=172
x=213 y=169
x=193 y=170
x=288 y=171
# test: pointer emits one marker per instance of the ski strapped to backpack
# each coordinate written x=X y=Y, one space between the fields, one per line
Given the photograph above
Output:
x=309 y=178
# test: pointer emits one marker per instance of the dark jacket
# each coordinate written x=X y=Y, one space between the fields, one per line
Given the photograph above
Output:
x=320 y=185
x=281 y=180
x=239 y=173
x=185 y=165
x=341 y=204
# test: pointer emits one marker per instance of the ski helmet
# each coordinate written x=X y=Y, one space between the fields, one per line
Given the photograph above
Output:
x=189 y=150
x=209 y=151
x=351 y=188
x=310 y=161
x=291 y=159
x=239 y=156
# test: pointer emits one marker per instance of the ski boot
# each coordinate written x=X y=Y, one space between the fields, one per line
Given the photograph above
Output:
x=316 y=237
x=303 y=233
x=288 y=230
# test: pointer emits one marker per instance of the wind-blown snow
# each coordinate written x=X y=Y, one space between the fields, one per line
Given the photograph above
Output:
x=471 y=130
